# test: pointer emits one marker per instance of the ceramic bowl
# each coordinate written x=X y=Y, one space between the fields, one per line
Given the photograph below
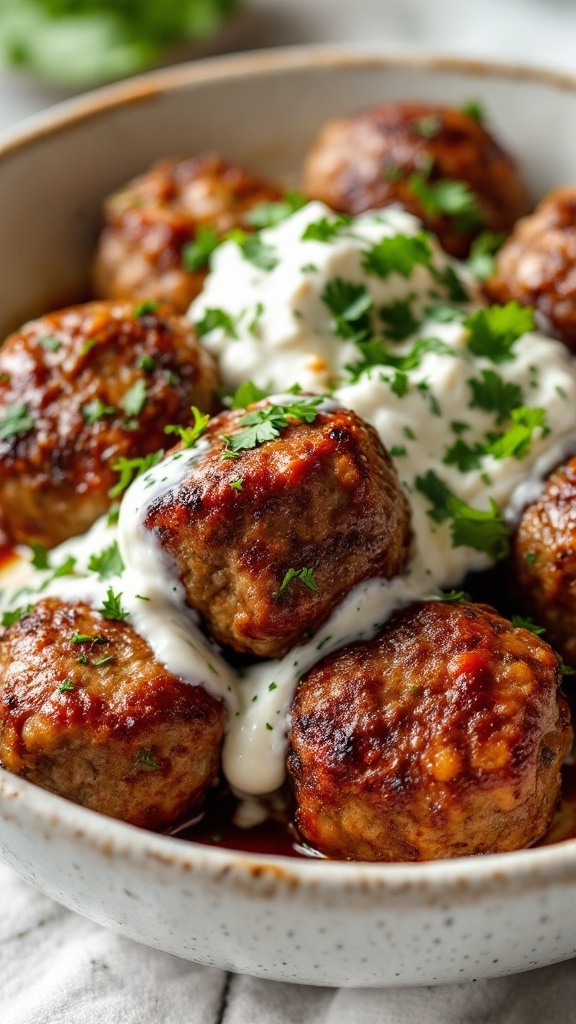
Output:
x=314 y=921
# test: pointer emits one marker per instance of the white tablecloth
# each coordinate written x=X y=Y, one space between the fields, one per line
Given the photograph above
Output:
x=56 y=967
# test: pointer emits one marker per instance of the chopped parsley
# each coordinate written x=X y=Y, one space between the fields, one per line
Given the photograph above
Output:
x=397 y=255
x=146 y=308
x=466 y=457
x=66 y=568
x=494 y=394
x=96 y=410
x=483 y=531
x=257 y=252
x=325 y=230
x=236 y=485
x=50 y=343
x=273 y=686
x=135 y=398
x=529 y=557
x=350 y=305
x=454 y=596
x=147 y=363
x=449 y=280
x=195 y=255
x=108 y=563
x=131 y=468
x=265 y=424
x=447 y=198
x=172 y=378
x=146 y=758
x=103 y=661
x=190 y=435
x=16 y=421
x=112 y=607
x=15 y=614
x=246 y=394
x=527 y=623
x=397 y=451
x=66 y=685
x=493 y=331
x=516 y=442
x=215 y=319
x=438 y=494
x=40 y=559
x=429 y=126
x=84 y=638
x=474 y=109
x=267 y=215
x=481 y=262
x=398 y=319
x=306 y=576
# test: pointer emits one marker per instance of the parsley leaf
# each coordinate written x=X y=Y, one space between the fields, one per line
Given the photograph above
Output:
x=146 y=308
x=448 y=198
x=190 y=435
x=438 y=494
x=518 y=438
x=306 y=576
x=246 y=394
x=428 y=126
x=145 y=757
x=40 y=559
x=50 y=343
x=10 y=617
x=135 y=398
x=96 y=410
x=463 y=455
x=325 y=230
x=236 y=485
x=257 y=252
x=214 y=319
x=527 y=623
x=454 y=596
x=494 y=394
x=108 y=563
x=350 y=304
x=483 y=531
x=480 y=262
x=131 y=468
x=195 y=254
x=493 y=331
x=16 y=421
x=474 y=109
x=66 y=685
x=265 y=424
x=398 y=318
x=112 y=607
x=267 y=215
x=147 y=363
x=397 y=255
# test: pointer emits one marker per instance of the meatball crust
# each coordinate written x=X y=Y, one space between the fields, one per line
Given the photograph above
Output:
x=148 y=223
x=100 y=721
x=543 y=560
x=441 y=737
x=79 y=389
x=537 y=266
x=397 y=152
x=323 y=496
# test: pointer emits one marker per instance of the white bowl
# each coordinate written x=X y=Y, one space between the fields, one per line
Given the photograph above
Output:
x=314 y=922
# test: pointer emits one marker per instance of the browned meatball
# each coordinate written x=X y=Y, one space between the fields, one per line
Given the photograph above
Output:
x=543 y=560
x=78 y=389
x=405 y=152
x=321 y=497
x=100 y=721
x=537 y=265
x=151 y=220
x=441 y=737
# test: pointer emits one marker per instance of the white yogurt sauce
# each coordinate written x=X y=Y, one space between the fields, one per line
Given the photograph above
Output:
x=284 y=334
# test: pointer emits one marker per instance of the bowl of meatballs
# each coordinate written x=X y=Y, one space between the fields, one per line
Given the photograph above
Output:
x=288 y=514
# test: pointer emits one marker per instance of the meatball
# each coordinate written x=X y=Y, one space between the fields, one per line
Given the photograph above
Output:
x=409 y=153
x=543 y=560
x=441 y=737
x=149 y=223
x=79 y=389
x=268 y=542
x=537 y=266
x=87 y=712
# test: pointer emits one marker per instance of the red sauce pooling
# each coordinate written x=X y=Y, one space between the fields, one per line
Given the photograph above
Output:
x=7 y=555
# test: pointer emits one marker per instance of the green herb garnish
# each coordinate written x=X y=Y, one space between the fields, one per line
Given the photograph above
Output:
x=16 y=421
x=195 y=255
x=493 y=331
x=112 y=607
x=190 y=435
x=397 y=255
x=96 y=410
x=108 y=563
x=131 y=468
x=265 y=424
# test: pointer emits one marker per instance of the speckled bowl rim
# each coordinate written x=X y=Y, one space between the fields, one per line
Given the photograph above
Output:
x=523 y=869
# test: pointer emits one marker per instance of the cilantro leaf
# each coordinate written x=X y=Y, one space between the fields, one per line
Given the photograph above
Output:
x=190 y=435
x=265 y=424
x=96 y=410
x=398 y=318
x=146 y=308
x=195 y=254
x=528 y=623
x=306 y=576
x=481 y=262
x=112 y=607
x=350 y=304
x=397 y=255
x=131 y=468
x=473 y=528
x=257 y=252
x=108 y=563
x=463 y=455
x=135 y=398
x=428 y=126
x=66 y=685
x=247 y=393
x=493 y=331
x=325 y=230
x=50 y=343
x=515 y=443
x=447 y=198
x=438 y=494
x=454 y=596
x=10 y=617
x=473 y=109
x=145 y=758
x=267 y=215
x=494 y=394
x=16 y=421
x=40 y=559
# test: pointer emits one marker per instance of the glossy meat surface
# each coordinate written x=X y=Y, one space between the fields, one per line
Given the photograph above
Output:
x=322 y=496
x=537 y=266
x=123 y=737
x=441 y=737
x=398 y=152
x=148 y=223
x=543 y=560
x=80 y=388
